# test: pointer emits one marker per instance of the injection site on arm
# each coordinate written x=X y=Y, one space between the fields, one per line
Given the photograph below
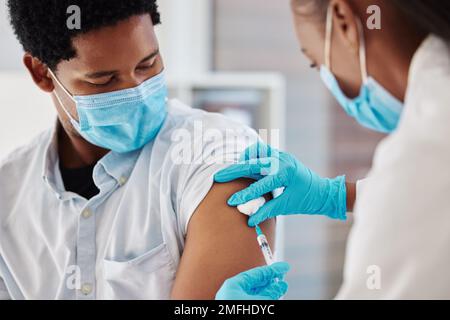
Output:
x=219 y=245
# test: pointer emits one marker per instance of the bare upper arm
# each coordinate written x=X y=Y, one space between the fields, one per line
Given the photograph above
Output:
x=219 y=245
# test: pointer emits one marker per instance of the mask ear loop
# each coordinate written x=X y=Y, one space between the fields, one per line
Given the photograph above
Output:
x=362 y=51
x=328 y=34
x=65 y=91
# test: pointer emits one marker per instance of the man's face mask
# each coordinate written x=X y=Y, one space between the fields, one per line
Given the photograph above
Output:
x=374 y=108
x=121 y=121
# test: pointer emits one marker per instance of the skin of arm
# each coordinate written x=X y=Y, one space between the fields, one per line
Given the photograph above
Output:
x=219 y=245
x=351 y=195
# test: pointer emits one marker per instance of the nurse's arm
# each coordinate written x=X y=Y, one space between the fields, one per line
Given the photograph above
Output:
x=219 y=245
x=351 y=196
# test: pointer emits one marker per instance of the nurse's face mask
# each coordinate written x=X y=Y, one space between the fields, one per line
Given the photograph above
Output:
x=375 y=108
x=121 y=121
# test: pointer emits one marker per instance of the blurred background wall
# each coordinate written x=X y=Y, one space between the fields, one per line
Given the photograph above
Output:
x=234 y=36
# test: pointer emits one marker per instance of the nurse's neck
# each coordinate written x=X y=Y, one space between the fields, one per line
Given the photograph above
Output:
x=390 y=54
x=75 y=152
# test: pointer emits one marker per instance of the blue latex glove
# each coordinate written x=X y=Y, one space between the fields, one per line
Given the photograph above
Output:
x=305 y=192
x=256 y=284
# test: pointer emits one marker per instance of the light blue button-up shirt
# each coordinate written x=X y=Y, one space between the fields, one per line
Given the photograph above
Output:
x=124 y=243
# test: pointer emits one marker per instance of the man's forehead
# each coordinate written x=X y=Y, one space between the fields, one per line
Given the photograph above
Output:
x=129 y=41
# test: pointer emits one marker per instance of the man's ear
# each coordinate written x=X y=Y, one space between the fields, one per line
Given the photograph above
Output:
x=345 y=24
x=39 y=72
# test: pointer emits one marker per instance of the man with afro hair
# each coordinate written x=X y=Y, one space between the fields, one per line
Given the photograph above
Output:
x=98 y=206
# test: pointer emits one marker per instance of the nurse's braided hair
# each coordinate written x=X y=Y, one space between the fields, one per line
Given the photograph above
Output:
x=430 y=16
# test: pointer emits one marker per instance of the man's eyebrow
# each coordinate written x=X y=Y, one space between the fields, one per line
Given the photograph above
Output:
x=102 y=74
x=150 y=56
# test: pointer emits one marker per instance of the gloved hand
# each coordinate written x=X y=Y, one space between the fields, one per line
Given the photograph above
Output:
x=305 y=192
x=256 y=284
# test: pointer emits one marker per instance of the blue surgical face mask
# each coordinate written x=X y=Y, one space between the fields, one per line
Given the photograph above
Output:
x=375 y=108
x=121 y=121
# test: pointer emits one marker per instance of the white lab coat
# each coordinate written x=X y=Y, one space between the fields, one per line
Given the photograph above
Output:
x=399 y=247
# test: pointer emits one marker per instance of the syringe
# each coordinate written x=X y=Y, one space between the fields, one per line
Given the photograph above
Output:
x=265 y=247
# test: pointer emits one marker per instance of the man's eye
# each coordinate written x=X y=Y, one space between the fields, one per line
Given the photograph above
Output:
x=313 y=65
x=148 y=65
x=101 y=84
x=143 y=68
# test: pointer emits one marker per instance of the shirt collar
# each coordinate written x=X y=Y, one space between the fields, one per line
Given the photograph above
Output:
x=118 y=166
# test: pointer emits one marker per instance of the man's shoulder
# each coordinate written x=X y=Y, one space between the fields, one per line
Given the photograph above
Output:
x=24 y=156
x=193 y=140
x=185 y=119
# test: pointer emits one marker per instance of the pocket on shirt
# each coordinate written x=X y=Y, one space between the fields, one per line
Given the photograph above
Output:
x=148 y=276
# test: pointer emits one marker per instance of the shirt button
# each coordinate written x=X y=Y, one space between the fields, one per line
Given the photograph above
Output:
x=122 y=181
x=86 y=213
x=86 y=288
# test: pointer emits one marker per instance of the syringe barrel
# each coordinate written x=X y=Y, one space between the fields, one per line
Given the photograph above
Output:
x=265 y=248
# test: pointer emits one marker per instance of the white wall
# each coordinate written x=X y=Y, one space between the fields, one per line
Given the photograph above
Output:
x=24 y=109
x=10 y=53
x=185 y=36
x=22 y=116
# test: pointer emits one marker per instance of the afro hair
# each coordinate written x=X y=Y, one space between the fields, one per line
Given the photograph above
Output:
x=41 y=26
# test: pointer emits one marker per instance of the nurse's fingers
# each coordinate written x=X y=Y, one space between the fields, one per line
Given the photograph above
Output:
x=268 y=211
x=258 y=150
x=240 y=170
x=256 y=190
x=274 y=291
x=263 y=276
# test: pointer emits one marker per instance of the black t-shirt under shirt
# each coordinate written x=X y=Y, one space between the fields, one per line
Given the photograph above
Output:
x=80 y=181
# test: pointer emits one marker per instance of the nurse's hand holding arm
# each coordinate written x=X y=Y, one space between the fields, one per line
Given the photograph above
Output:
x=262 y=283
x=305 y=191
